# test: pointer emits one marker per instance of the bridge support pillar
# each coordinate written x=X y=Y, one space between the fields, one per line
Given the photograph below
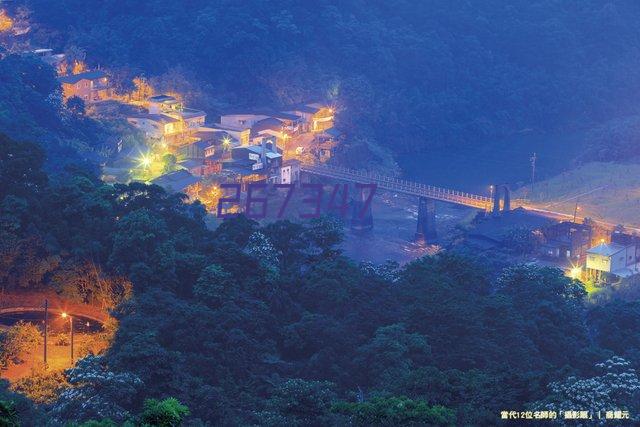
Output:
x=500 y=193
x=495 y=205
x=506 y=206
x=426 y=220
x=361 y=218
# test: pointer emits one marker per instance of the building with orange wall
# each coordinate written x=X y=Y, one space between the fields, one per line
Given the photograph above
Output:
x=90 y=86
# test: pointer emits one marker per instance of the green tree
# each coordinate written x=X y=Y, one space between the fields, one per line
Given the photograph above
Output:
x=96 y=393
x=395 y=411
x=553 y=306
x=617 y=386
x=42 y=386
x=163 y=413
x=391 y=354
x=19 y=339
x=214 y=286
x=169 y=162
x=298 y=402
x=8 y=414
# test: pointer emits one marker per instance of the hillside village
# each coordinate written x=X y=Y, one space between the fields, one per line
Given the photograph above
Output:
x=188 y=151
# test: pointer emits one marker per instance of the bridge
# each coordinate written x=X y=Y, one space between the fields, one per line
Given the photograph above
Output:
x=499 y=200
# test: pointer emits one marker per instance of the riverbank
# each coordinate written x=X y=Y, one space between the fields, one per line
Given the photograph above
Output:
x=392 y=238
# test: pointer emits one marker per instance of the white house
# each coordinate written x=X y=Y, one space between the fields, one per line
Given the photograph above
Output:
x=241 y=121
x=156 y=125
x=162 y=103
x=609 y=259
x=290 y=172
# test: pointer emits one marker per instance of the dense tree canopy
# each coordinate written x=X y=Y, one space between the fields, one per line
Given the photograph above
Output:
x=405 y=74
x=272 y=325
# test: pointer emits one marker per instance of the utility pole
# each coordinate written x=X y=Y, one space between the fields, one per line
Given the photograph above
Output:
x=533 y=170
x=64 y=316
x=71 y=323
x=46 y=316
x=575 y=211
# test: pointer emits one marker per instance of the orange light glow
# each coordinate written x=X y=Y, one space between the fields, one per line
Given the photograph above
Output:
x=143 y=89
x=63 y=68
x=78 y=67
x=6 y=23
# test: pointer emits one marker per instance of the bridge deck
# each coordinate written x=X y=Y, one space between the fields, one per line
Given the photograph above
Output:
x=401 y=186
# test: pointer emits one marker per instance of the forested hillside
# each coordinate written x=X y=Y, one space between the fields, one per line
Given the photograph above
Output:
x=258 y=324
x=272 y=325
x=406 y=74
x=31 y=108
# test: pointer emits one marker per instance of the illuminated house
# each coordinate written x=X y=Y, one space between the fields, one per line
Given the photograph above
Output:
x=284 y=122
x=289 y=172
x=315 y=117
x=168 y=105
x=267 y=127
x=566 y=240
x=162 y=103
x=241 y=121
x=209 y=143
x=608 y=261
x=157 y=126
x=325 y=143
x=256 y=157
x=90 y=86
x=169 y=120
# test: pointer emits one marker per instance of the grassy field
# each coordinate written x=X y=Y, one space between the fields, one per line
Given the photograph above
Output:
x=603 y=191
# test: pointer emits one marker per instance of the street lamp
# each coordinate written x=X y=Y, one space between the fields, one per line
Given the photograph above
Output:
x=226 y=144
x=64 y=315
x=144 y=161
x=575 y=272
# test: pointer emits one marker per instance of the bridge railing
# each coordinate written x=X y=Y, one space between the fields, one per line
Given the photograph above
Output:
x=402 y=185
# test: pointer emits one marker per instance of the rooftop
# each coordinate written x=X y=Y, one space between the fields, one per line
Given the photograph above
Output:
x=190 y=163
x=605 y=249
x=333 y=132
x=213 y=137
x=265 y=124
x=160 y=118
x=310 y=107
x=176 y=181
x=263 y=112
x=162 y=98
x=188 y=113
x=88 y=75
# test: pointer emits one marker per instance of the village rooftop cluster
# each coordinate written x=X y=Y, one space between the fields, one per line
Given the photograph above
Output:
x=189 y=153
x=253 y=145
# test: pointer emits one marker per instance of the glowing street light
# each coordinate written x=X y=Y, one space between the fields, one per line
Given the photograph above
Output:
x=226 y=143
x=575 y=272
x=144 y=161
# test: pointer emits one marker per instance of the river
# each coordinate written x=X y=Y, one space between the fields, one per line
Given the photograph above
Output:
x=467 y=168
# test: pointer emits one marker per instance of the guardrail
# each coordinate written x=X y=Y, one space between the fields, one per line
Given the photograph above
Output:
x=400 y=185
